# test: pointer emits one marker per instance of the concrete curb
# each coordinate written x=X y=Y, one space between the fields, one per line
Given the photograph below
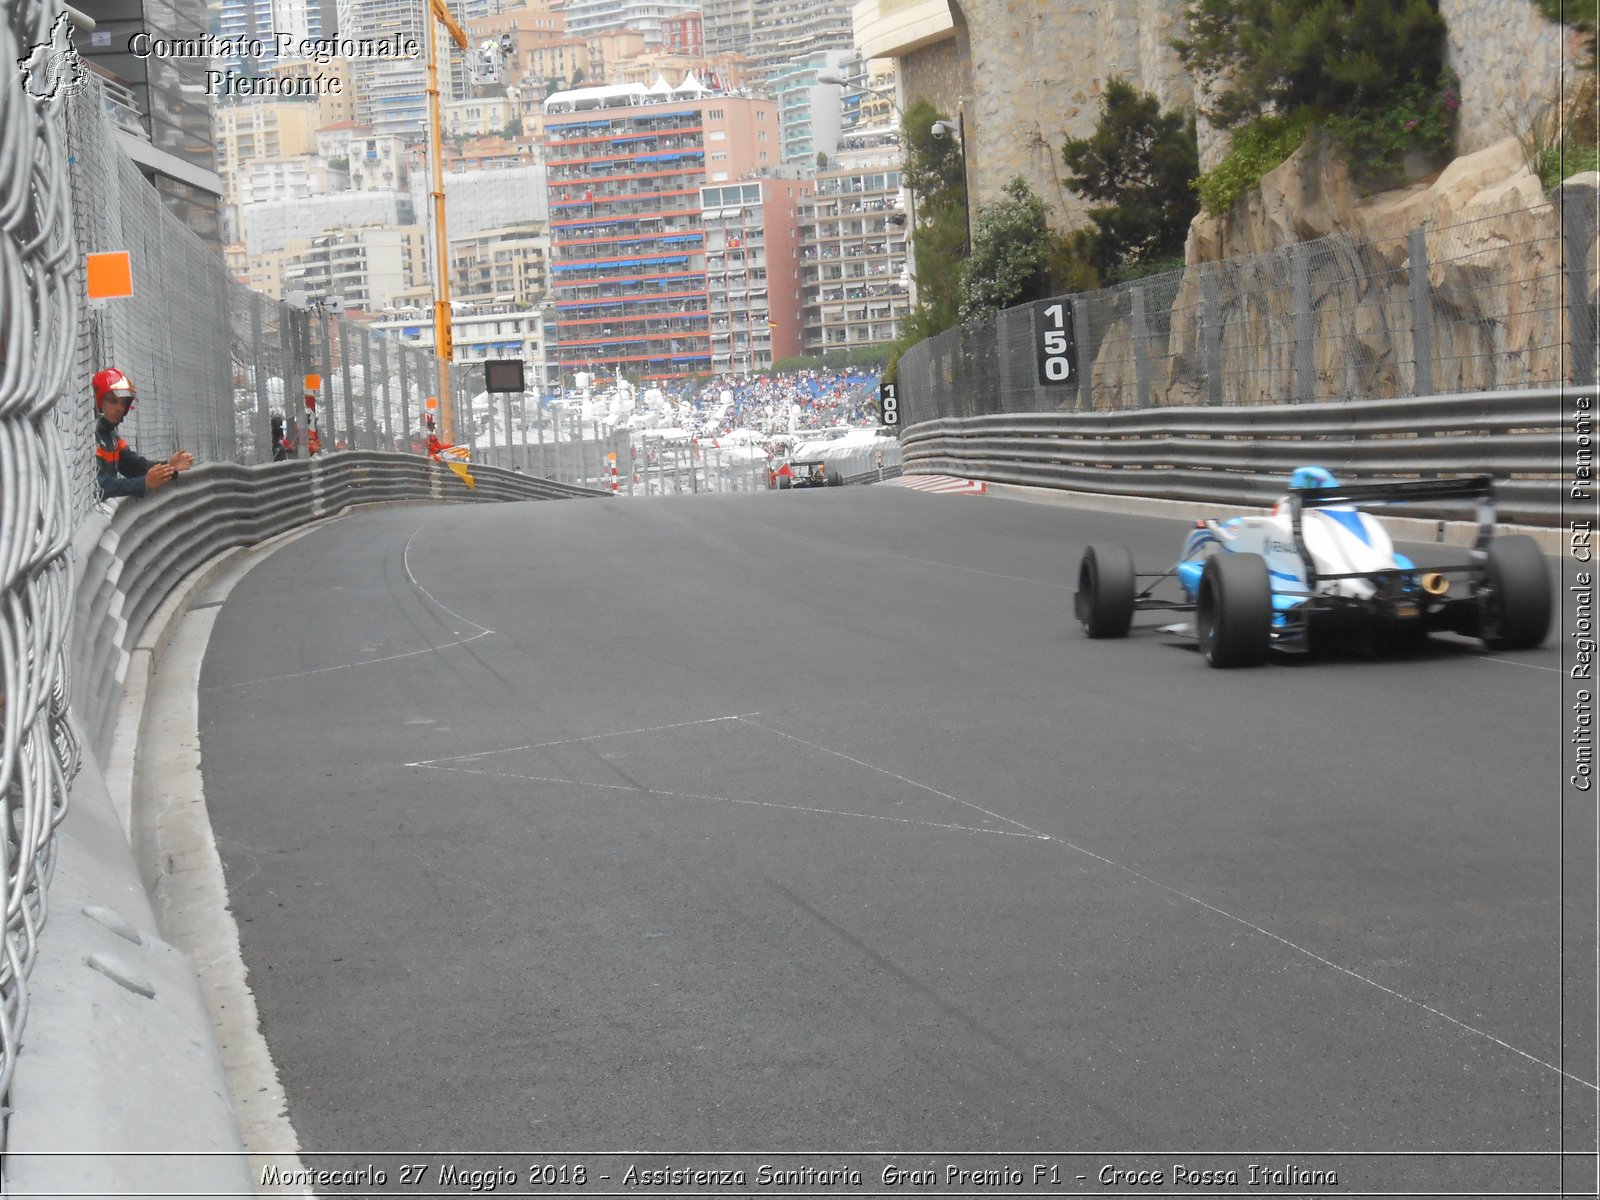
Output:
x=1408 y=529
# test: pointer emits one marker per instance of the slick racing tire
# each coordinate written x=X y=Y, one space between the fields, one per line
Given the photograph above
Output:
x=1104 y=599
x=784 y=483
x=835 y=480
x=1233 y=613
x=1514 y=595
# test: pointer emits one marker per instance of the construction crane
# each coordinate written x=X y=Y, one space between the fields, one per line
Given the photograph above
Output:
x=443 y=338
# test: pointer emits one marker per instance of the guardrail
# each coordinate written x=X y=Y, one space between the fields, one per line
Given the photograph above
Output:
x=1243 y=455
x=152 y=544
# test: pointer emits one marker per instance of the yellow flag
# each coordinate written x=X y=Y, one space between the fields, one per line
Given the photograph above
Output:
x=460 y=469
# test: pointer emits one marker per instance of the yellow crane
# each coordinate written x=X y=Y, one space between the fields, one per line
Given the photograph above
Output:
x=443 y=338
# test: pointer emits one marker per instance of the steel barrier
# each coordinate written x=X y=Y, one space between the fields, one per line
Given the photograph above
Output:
x=1243 y=455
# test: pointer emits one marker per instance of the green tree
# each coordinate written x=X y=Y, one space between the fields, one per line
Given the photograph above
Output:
x=1011 y=251
x=1256 y=56
x=934 y=175
x=1141 y=164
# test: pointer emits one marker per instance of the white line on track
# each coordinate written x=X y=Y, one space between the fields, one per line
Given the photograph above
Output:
x=366 y=662
x=1034 y=833
x=428 y=762
x=635 y=791
x=405 y=561
x=1022 y=831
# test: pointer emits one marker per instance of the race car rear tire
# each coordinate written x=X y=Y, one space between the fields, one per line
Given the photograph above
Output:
x=1233 y=612
x=1103 y=602
x=784 y=483
x=835 y=480
x=1514 y=596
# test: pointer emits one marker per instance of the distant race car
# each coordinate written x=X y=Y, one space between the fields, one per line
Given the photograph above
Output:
x=1316 y=566
x=810 y=473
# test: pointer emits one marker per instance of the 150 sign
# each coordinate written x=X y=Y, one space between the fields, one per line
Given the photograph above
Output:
x=1054 y=344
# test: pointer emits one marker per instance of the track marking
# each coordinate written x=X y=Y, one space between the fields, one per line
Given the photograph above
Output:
x=638 y=791
x=587 y=737
x=405 y=563
x=366 y=662
x=1212 y=908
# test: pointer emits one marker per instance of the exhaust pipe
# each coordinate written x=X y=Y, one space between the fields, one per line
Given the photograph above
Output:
x=1434 y=584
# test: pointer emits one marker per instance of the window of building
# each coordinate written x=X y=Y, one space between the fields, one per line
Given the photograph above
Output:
x=714 y=114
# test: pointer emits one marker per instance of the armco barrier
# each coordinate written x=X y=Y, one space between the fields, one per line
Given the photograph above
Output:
x=153 y=543
x=1243 y=455
x=119 y=1057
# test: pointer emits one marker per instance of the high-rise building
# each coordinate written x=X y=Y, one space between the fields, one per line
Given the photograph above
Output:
x=752 y=247
x=785 y=31
x=391 y=93
x=854 y=279
x=626 y=166
x=811 y=112
x=594 y=16
x=167 y=109
x=243 y=22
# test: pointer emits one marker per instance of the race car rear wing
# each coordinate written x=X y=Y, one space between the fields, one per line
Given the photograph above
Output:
x=1479 y=488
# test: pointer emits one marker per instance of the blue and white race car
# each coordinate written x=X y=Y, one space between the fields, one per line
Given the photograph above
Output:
x=1316 y=565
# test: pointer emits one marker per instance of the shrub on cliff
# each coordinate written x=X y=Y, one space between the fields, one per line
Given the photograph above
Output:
x=1371 y=73
x=1141 y=164
x=1011 y=251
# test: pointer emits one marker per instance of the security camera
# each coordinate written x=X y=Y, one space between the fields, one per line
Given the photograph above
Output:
x=943 y=129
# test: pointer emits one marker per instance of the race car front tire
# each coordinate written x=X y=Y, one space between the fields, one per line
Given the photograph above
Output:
x=1233 y=612
x=1514 y=596
x=1103 y=602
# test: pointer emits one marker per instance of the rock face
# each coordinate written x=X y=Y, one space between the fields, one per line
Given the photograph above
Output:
x=1309 y=291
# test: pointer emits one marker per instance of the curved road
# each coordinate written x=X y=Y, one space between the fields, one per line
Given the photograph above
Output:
x=810 y=821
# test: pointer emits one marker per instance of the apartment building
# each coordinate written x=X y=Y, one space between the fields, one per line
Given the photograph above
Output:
x=854 y=279
x=477 y=331
x=368 y=266
x=752 y=251
x=505 y=266
x=626 y=165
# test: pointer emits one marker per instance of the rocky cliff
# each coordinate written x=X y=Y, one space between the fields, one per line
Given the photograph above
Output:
x=1308 y=290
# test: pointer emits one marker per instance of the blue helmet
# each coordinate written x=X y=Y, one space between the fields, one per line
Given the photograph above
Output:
x=1311 y=477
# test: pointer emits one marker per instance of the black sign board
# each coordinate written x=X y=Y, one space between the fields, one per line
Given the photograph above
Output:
x=888 y=406
x=1054 y=345
x=503 y=375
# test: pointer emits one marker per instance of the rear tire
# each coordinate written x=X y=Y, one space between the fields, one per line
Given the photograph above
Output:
x=1514 y=596
x=1233 y=613
x=1103 y=602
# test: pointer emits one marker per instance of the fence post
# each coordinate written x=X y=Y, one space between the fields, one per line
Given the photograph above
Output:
x=1211 y=332
x=1421 y=314
x=325 y=373
x=1578 y=230
x=1081 y=333
x=408 y=380
x=1304 y=329
x=1141 y=349
x=262 y=423
x=344 y=382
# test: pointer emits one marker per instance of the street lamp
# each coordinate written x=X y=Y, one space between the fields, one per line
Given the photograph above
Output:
x=838 y=79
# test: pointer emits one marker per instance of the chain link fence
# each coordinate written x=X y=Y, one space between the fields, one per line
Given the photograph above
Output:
x=1503 y=301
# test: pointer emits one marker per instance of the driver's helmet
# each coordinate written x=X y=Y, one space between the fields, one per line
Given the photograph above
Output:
x=1311 y=477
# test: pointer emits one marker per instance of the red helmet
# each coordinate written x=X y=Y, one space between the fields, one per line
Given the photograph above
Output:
x=112 y=380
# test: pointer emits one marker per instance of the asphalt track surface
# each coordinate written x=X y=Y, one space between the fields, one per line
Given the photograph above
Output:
x=810 y=820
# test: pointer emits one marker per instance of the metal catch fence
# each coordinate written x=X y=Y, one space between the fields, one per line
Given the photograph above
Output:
x=1502 y=301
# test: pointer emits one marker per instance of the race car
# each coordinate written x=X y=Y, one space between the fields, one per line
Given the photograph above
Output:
x=809 y=473
x=1316 y=566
